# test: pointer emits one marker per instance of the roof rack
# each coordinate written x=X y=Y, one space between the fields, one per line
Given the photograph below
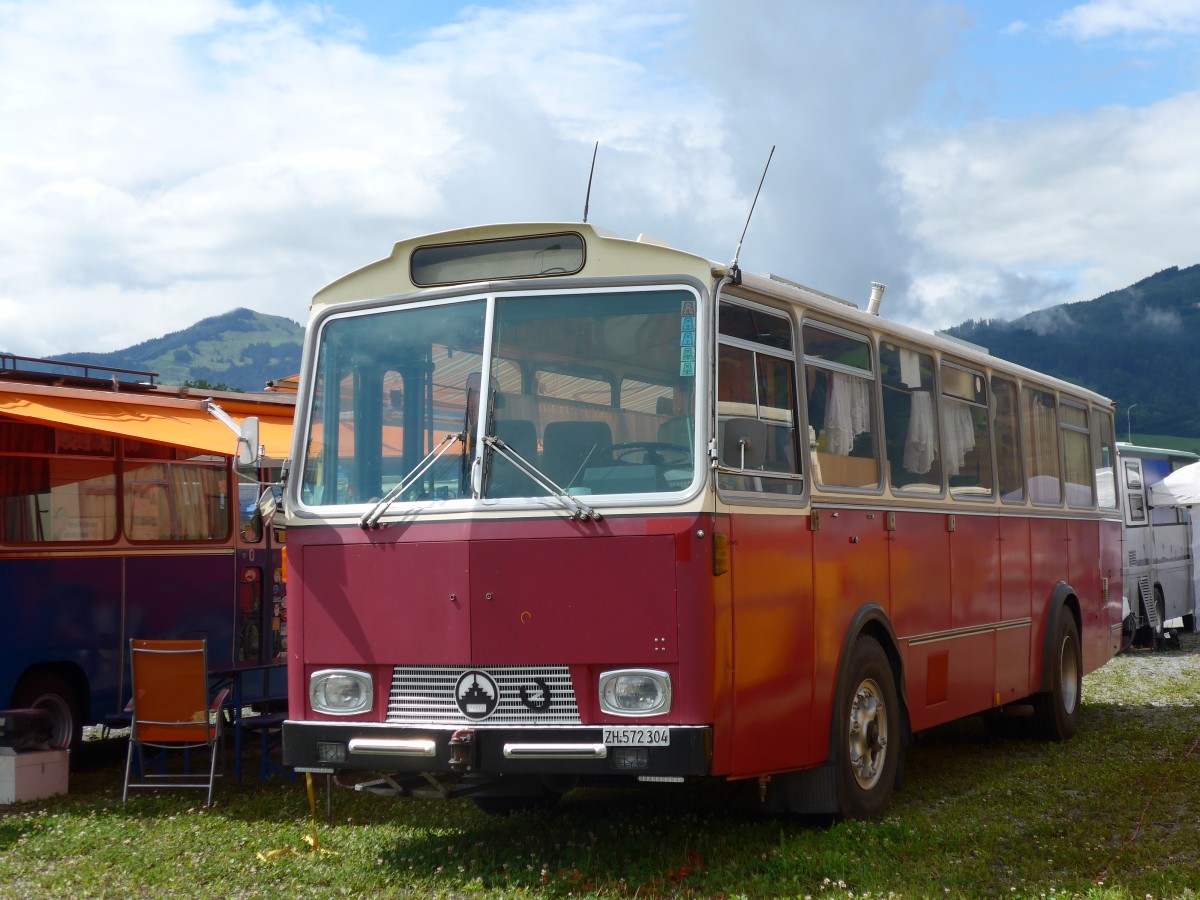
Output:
x=56 y=371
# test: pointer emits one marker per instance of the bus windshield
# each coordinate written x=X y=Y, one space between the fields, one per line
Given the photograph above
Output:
x=505 y=397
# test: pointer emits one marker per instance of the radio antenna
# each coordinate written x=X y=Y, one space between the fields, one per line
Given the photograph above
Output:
x=591 y=172
x=737 y=273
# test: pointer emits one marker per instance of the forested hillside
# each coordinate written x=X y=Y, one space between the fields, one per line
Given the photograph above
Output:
x=242 y=349
x=1136 y=345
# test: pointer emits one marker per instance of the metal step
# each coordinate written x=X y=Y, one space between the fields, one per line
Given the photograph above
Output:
x=1148 y=604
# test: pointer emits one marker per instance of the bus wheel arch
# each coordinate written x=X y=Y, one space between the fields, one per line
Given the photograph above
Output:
x=61 y=690
x=870 y=726
x=1057 y=705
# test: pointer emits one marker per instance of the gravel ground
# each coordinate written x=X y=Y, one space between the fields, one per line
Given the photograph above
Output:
x=1149 y=677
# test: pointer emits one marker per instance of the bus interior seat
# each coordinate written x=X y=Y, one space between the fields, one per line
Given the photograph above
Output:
x=568 y=446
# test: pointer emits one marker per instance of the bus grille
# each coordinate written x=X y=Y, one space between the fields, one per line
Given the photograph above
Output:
x=423 y=695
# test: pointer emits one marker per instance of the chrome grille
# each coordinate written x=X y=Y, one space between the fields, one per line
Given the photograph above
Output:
x=424 y=695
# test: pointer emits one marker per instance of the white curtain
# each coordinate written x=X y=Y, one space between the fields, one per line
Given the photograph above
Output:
x=849 y=412
x=960 y=434
x=920 y=444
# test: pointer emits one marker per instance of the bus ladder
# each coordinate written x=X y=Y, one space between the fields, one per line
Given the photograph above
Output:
x=1148 y=604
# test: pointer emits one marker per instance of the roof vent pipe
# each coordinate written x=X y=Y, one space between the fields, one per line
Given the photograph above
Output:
x=877 y=290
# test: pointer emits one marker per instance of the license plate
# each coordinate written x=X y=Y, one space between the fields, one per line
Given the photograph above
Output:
x=637 y=737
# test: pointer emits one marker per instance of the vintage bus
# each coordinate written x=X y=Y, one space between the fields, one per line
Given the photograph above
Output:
x=1158 y=539
x=564 y=508
x=120 y=518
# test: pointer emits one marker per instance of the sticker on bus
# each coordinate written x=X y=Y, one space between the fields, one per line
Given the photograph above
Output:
x=637 y=737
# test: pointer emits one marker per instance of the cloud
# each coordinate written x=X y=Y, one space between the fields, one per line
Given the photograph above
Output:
x=162 y=162
x=1108 y=18
x=167 y=161
x=1081 y=204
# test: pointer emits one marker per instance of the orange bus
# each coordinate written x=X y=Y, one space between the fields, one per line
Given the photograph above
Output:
x=565 y=508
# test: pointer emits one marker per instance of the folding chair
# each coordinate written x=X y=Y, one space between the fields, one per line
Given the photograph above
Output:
x=171 y=711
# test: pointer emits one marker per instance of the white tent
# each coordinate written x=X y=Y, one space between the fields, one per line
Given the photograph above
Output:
x=1180 y=488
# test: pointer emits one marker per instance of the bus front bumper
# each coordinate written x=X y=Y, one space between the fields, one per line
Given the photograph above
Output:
x=685 y=751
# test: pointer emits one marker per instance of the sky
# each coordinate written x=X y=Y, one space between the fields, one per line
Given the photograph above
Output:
x=165 y=162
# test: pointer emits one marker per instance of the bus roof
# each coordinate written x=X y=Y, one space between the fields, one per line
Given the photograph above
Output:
x=601 y=254
x=1168 y=452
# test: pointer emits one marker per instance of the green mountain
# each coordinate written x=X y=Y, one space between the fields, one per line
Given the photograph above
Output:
x=242 y=349
x=1134 y=345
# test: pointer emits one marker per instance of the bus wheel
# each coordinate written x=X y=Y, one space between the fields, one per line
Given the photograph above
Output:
x=868 y=733
x=1056 y=711
x=51 y=692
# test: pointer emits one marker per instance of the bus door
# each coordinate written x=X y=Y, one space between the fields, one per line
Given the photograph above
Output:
x=260 y=614
x=1139 y=537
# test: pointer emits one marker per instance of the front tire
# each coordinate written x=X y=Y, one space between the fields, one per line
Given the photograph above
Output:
x=867 y=735
x=1056 y=711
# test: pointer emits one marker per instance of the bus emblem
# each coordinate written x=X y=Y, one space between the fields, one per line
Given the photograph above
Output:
x=476 y=694
x=531 y=704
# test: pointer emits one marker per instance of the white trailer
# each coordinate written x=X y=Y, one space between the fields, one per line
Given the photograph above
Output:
x=1158 y=570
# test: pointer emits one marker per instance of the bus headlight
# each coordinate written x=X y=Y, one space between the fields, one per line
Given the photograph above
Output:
x=635 y=692
x=340 y=692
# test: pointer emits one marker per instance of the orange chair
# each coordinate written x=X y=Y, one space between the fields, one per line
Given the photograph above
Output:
x=171 y=711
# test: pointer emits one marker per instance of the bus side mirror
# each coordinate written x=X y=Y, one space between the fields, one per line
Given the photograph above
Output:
x=267 y=506
x=247 y=445
x=745 y=444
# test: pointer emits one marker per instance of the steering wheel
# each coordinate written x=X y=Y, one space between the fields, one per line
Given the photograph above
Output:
x=654 y=453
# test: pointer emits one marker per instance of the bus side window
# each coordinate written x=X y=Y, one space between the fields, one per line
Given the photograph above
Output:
x=56 y=485
x=756 y=401
x=183 y=500
x=966 y=433
x=910 y=420
x=1039 y=433
x=1077 y=465
x=1134 y=494
x=840 y=383
x=1008 y=445
x=1103 y=453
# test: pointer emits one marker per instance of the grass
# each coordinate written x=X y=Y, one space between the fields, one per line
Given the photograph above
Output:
x=1113 y=813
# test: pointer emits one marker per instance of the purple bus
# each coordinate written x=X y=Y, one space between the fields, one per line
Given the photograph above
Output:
x=124 y=513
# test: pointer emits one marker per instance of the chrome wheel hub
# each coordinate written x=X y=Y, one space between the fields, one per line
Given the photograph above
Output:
x=868 y=734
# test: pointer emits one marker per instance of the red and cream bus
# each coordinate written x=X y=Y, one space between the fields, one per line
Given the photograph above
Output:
x=565 y=508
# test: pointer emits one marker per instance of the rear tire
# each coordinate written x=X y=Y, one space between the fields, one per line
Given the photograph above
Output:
x=867 y=737
x=54 y=693
x=1056 y=711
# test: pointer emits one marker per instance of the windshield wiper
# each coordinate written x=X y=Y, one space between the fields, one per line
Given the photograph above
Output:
x=372 y=516
x=573 y=504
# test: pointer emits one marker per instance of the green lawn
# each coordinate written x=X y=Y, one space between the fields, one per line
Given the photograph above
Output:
x=1113 y=813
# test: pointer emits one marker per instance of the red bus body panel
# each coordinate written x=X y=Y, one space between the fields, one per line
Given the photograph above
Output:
x=754 y=653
